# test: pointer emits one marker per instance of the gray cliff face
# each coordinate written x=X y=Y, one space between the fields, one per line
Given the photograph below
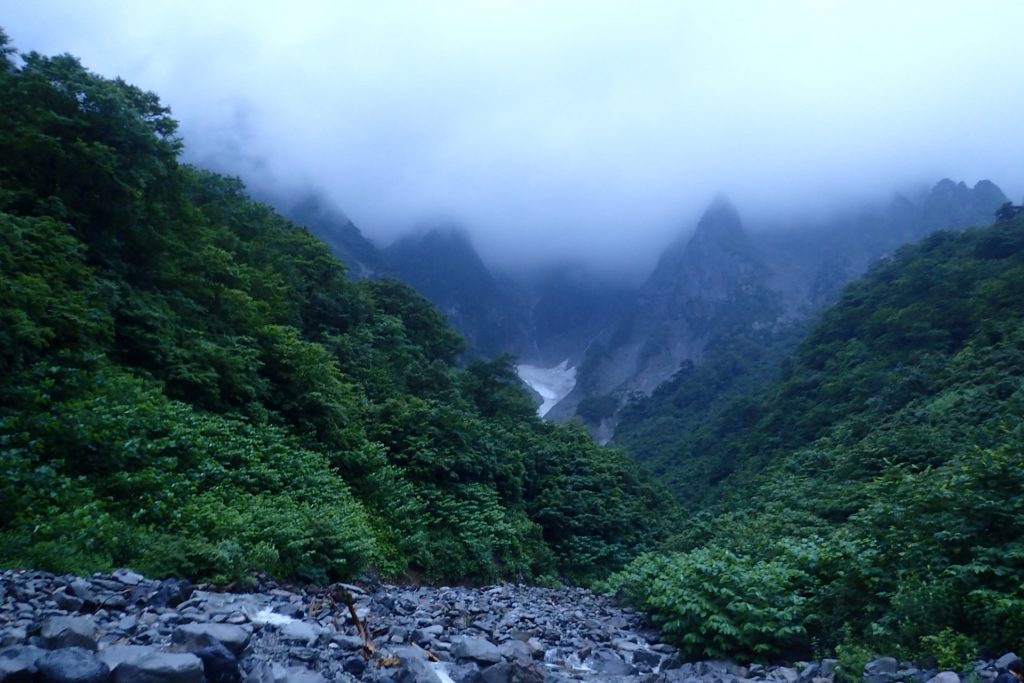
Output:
x=704 y=285
x=723 y=281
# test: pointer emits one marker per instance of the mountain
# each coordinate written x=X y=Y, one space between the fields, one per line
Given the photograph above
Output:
x=442 y=265
x=727 y=287
x=867 y=498
x=703 y=286
x=192 y=385
x=361 y=257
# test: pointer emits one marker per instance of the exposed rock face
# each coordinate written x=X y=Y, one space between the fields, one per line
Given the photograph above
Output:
x=707 y=284
x=722 y=281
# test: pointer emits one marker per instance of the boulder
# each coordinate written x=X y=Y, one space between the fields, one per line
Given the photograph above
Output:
x=71 y=665
x=197 y=636
x=114 y=655
x=299 y=632
x=945 y=677
x=881 y=666
x=1005 y=660
x=161 y=667
x=63 y=632
x=477 y=649
x=219 y=664
x=18 y=663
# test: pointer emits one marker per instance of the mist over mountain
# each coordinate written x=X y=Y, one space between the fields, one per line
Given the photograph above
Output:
x=711 y=285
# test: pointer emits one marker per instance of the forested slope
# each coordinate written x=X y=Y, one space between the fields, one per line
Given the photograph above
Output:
x=870 y=499
x=189 y=384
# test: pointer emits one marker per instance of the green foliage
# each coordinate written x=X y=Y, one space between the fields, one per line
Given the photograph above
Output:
x=190 y=385
x=952 y=651
x=884 y=466
x=714 y=603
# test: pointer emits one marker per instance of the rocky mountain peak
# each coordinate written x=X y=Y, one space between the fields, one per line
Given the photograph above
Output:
x=719 y=226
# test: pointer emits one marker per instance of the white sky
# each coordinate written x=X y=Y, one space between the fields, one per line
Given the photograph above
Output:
x=591 y=127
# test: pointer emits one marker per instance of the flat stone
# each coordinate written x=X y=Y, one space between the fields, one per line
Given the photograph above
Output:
x=347 y=643
x=477 y=649
x=128 y=577
x=945 y=677
x=62 y=632
x=1005 y=660
x=196 y=636
x=161 y=667
x=299 y=632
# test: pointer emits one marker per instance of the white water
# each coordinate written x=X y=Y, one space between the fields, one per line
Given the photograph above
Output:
x=553 y=384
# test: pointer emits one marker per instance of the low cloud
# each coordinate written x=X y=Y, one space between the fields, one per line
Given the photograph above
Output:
x=568 y=129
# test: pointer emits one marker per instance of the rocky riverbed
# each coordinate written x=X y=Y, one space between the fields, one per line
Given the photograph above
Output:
x=124 y=628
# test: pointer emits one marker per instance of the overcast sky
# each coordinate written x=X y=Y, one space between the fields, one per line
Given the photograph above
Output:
x=592 y=127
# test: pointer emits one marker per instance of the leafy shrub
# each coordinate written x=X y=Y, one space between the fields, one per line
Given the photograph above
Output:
x=714 y=603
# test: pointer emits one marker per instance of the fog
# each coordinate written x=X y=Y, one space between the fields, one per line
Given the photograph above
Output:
x=555 y=129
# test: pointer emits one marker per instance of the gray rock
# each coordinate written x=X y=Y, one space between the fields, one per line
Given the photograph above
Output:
x=299 y=632
x=417 y=670
x=646 y=659
x=161 y=667
x=219 y=664
x=347 y=643
x=114 y=655
x=82 y=589
x=68 y=603
x=196 y=636
x=477 y=649
x=18 y=663
x=785 y=673
x=513 y=672
x=881 y=666
x=610 y=664
x=300 y=674
x=61 y=632
x=1005 y=660
x=128 y=577
x=72 y=665
x=515 y=649
x=428 y=633
x=945 y=677
x=267 y=672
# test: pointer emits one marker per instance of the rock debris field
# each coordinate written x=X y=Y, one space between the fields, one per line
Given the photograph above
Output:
x=124 y=628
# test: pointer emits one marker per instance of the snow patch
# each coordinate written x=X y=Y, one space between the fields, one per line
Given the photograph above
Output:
x=553 y=384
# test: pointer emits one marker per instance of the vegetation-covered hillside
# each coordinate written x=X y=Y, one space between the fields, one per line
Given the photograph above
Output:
x=190 y=385
x=871 y=498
